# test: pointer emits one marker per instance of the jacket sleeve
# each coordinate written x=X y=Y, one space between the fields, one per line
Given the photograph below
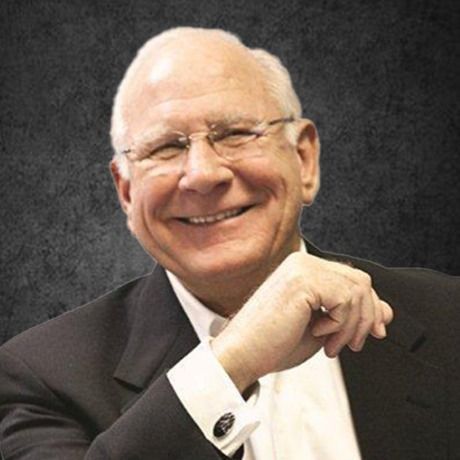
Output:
x=37 y=424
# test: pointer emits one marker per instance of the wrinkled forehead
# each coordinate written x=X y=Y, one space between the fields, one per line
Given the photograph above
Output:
x=188 y=71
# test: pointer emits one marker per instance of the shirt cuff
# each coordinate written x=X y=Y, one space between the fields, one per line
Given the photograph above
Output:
x=208 y=393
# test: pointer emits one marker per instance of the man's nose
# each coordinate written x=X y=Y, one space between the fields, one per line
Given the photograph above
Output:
x=203 y=168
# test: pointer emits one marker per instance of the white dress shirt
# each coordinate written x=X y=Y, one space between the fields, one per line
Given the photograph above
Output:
x=301 y=413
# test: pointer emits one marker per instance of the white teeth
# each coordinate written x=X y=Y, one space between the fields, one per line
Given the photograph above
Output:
x=215 y=218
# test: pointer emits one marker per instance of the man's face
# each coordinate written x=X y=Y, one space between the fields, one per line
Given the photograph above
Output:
x=262 y=193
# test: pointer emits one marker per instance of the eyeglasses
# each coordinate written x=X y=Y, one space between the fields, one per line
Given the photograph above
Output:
x=231 y=142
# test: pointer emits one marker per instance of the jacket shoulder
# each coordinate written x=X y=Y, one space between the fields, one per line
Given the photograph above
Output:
x=91 y=333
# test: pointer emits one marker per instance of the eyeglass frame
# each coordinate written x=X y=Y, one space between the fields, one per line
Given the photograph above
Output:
x=213 y=135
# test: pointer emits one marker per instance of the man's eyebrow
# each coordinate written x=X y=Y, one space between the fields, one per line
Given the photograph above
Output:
x=230 y=120
x=158 y=133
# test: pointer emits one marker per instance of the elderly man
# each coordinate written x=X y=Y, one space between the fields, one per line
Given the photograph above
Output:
x=229 y=349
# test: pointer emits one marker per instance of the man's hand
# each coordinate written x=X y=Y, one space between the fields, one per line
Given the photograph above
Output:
x=306 y=303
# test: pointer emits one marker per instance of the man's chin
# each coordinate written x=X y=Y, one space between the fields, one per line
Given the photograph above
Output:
x=218 y=269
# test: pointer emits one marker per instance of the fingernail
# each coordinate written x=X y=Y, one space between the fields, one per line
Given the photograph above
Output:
x=382 y=330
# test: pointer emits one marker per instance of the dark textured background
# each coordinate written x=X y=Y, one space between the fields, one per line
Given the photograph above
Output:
x=379 y=78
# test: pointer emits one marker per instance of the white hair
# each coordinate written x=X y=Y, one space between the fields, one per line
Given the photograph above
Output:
x=276 y=78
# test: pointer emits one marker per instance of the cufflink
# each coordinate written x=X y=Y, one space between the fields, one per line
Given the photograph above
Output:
x=223 y=425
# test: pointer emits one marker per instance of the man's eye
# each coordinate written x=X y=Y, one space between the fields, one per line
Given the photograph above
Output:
x=237 y=136
x=166 y=151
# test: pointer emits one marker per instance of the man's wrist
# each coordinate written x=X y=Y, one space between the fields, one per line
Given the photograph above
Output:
x=231 y=359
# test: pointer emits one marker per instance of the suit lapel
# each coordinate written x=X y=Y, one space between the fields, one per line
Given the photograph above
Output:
x=160 y=336
x=390 y=387
x=387 y=402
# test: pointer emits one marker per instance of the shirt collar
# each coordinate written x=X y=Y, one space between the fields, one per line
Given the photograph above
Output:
x=205 y=322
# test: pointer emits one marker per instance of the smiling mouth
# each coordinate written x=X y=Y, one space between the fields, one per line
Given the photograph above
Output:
x=212 y=219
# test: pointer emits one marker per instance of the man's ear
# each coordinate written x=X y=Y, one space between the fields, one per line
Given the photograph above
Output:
x=308 y=149
x=123 y=187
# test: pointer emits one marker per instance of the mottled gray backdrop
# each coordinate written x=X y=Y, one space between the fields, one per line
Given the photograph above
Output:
x=379 y=78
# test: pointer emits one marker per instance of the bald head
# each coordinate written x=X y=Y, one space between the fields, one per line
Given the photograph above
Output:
x=180 y=61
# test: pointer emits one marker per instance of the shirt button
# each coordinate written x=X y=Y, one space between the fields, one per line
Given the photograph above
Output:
x=224 y=425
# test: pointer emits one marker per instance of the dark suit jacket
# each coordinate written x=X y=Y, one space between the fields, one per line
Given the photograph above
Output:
x=91 y=383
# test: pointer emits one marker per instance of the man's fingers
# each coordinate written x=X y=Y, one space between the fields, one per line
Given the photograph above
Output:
x=384 y=315
x=338 y=340
x=388 y=314
x=378 y=328
x=360 y=313
x=365 y=323
x=348 y=323
x=327 y=323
